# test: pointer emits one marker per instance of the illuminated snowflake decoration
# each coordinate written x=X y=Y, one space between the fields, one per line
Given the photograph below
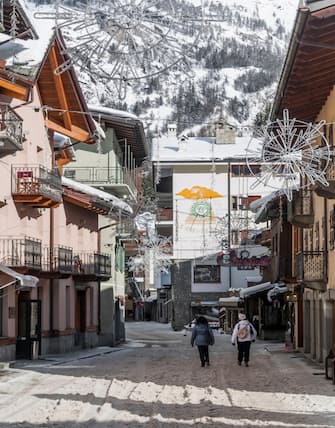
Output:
x=159 y=246
x=238 y=222
x=126 y=40
x=292 y=154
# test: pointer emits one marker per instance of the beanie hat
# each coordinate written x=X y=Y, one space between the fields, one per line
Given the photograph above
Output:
x=241 y=316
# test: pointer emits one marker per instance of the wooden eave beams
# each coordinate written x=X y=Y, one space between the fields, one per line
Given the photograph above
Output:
x=13 y=90
x=61 y=121
x=312 y=76
x=81 y=200
x=75 y=132
x=60 y=89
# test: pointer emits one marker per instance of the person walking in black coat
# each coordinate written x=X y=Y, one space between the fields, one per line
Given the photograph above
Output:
x=202 y=336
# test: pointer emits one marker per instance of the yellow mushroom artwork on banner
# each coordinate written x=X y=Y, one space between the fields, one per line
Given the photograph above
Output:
x=201 y=209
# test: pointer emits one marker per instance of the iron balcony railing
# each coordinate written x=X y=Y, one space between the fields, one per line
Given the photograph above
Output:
x=10 y=129
x=311 y=266
x=97 y=176
x=97 y=264
x=60 y=260
x=36 y=180
x=21 y=252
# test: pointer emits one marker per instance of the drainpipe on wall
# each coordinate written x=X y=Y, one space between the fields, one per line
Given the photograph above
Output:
x=99 y=281
x=52 y=243
x=229 y=220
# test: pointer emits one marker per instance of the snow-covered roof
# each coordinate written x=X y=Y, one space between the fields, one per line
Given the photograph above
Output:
x=277 y=289
x=62 y=142
x=25 y=56
x=205 y=303
x=25 y=280
x=112 y=112
x=92 y=191
x=249 y=291
x=260 y=206
x=232 y=300
x=170 y=148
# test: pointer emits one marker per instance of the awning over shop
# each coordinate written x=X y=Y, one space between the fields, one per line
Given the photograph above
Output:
x=230 y=301
x=24 y=280
x=255 y=278
x=205 y=303
x=277 y=289
x=249 y=291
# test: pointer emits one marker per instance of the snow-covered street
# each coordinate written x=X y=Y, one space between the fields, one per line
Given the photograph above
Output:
x=155 y=380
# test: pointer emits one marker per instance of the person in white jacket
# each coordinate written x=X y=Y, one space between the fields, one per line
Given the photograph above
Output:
x=243 y=334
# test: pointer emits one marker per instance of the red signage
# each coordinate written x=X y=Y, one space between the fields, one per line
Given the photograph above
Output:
x=230 y=258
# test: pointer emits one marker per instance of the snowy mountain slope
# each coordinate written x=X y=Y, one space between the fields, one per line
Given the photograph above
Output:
x=232 y=57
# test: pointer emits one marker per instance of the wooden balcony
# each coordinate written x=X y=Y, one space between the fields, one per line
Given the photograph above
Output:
x=92 y=266
x=327 y=191
x=118 y=180
x=300 y=210
x=126 y=230
x=36 y=186
x=24 y=253
x=312 y=269
x=165 y=214
x=10 y=131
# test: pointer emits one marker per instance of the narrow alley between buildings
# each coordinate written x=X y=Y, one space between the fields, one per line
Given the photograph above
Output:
x=155 y=380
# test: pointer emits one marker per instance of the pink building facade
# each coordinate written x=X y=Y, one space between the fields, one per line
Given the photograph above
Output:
x=48 y=229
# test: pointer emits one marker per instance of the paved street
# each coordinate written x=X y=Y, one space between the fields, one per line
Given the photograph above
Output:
x=155 y=380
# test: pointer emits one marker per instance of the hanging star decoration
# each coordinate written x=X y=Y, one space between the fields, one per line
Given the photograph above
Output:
x=292 y=153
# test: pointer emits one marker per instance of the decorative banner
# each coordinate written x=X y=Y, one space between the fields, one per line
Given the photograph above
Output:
x=292 y=153
x=201 y=209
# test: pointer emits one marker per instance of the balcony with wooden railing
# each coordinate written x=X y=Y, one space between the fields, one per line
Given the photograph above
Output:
x=11 y=136
x=117 y=179
x=24 y=253
x=165 y=215
x=126 y=230
x=300 y=210
x=36 y=186
x=312 y=269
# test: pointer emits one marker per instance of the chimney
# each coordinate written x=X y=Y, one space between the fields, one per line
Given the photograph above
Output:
x=224 y=133
x=172 y=130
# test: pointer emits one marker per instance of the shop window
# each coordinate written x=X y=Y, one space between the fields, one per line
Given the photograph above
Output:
x=241 y=202
x=332 y=228
x=206 y=274
x=1 y=313
x=68 y=306
x=317 y=236
x=91 y=305
x=245 y=170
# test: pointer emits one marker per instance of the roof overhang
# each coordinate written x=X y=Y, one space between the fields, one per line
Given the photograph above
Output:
x=127 y=128
x=308 y=74
x=65 y=109
x=93 y=199
x=260 y=288
x=24 y=280
x=15 y=86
